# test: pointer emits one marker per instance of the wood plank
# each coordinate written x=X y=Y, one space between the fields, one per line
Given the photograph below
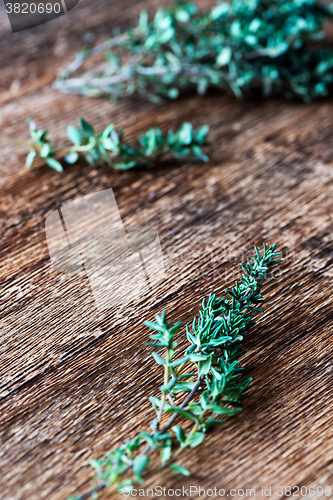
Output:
x=73 y=382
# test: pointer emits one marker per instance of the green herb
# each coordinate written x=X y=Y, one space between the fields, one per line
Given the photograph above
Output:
x=240 y=46
x=108 y=147
x=203 y=387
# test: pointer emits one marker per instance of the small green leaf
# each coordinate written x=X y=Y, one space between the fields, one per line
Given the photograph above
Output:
x=251 y=40
x=216 y=374
x=179 y=433
x=87 y=128
x=195 y=408
x=202 y=86
x=155 y=402
x=72 y=157
x=183 y=386
x=201 y=133
x=30 y=159
x=135 y=445
x=106 y=132
x=40 y=136
x=277 y=50
x=213 y=421
x=148 y=439
x=143 y=20
x=222 y=410
x=159 y=360
x=166 y=35
x=125 y=166
x=183 y=413
x=54 y=164
x=32 y=125
x=125 y=486
x=170 y=385
x=197 y=357
x=174 y=329
x=166 y=452
x=45 y=150
x=96 y=465
x=185 y=133
x=199 y=153
x=196 y=439
x=155 y=326
x=173 y=93
x=179 y=469
x=224 y=56
x=205 y=365
x=109 y=144
x=74 y=135
x=182 y=15
x=139 y=464
x=179 y=361
x=219 y=10
x=255 y=25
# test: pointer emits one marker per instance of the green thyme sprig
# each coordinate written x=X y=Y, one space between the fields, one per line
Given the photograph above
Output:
x=108 y=146
x=200 y=388
x=240 y=46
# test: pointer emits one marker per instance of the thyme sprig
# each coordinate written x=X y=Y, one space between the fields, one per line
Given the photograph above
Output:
x=109 y=145
x=202 y=387
x=240 y=46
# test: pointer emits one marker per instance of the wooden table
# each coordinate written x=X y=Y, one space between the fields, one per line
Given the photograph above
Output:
x=74 y=382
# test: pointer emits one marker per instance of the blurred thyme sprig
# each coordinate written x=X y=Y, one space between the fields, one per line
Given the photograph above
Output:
x=241 y=46
x=108 y=146
x=202 y=385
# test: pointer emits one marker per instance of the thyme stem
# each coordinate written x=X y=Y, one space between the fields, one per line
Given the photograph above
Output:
x=166 y=379
x=214 y=350
x=14 y=141
x=240 y=47
x=102 y=47
x=188 y=398
x=108 y=146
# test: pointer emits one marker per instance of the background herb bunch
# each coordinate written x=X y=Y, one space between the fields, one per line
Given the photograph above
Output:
x=203 y=386
x=241 y=45
x=104 y=148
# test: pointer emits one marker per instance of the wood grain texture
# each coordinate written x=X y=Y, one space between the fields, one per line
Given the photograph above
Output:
x=73 y=381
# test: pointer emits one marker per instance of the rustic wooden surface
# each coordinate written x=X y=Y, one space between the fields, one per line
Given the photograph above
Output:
x=75 y=382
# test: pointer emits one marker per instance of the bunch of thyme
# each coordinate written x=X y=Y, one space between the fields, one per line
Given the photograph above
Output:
x=240 y=46
x=200 y=387
x=104 y=148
